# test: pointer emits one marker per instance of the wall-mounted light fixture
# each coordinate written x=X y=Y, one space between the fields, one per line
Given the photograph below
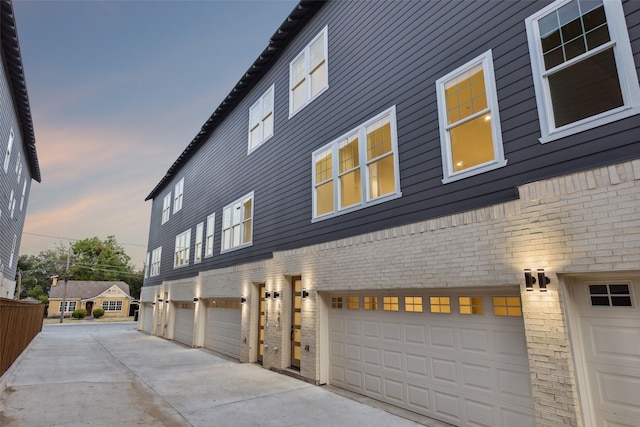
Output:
x=305 y=293
x=159 y=300
x=267 y=294
x=276 y=294
x=529 y=280
x=243 y=300
x=543 y=280
x=196 y=299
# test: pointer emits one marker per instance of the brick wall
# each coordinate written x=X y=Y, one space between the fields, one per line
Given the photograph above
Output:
x=582 y=222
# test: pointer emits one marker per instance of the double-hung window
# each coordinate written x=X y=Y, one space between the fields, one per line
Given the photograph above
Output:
x=211 y=220
x=177 y=195
x=583 y=68
x=146 y=265
x=197 y=257
x=261 y=120
x=183 y=242
x=24 y=192
x=358 y=169
x=156 y=257
x=7 y=153
x=470 y=134
x=237 y=224
x=308 y=73
x=166 y=207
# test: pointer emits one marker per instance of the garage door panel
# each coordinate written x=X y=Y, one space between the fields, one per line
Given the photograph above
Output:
x=614 y=343
x=183 y=327
x=223 y=329
x=443 y=365
x=619 y=389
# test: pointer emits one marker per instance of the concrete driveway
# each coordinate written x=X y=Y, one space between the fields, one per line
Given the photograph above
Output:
x=106 y=374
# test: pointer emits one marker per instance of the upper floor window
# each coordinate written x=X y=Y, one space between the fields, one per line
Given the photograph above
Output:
x=24 y=192
x=583 y=69
x=166 y=207
x=208 y=250
x=12 y=203
x=197 y=257
x=358 y=169
x=183 y=243
x=156 y=257
x=177 y=196
x=7 y=154
x=470 y=135
x=13 y=250
x=308 y=73
x=261 y=120
x=19 y=166
x=146 y=265
x=237 y=224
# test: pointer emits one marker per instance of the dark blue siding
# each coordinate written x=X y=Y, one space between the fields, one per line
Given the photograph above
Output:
x=382 y=54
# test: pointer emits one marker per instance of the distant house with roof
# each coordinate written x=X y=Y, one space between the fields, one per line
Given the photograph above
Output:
x=113 y=297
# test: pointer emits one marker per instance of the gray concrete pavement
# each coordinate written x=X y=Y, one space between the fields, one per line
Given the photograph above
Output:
x=105 y=374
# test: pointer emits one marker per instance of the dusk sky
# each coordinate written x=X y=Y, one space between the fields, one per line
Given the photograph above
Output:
x=117 y=91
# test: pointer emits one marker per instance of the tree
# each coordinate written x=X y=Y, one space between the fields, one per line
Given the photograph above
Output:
x=91 y=259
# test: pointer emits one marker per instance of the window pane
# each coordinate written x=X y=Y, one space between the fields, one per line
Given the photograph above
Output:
x=413 y=304
x=585 y=89
x=353 y=303
x=297 y=71
x=246 y=236
x=299 y=96
x=378 y=138
x=472 y=143
x=619 y=289
x=382 y=178
x=348 y=154
x=267 y=129
x=246 y=211
x=324 y=198
x=316 y=52
x=466 y=94
x=324 y=166
x=350 y=189
x=318 y=79
x=390 y=303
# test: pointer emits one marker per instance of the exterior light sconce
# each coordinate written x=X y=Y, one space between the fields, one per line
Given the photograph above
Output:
x=196 y=299
x=305 y=294
x=267 y=294
x=243 y=300
x=276 y=294
x=529 y=280
x=159 y=300
x=543 y=280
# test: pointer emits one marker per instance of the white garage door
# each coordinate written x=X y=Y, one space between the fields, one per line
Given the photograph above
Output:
x=222 y=329
x=183 y=329
x=457 y=357
x=147 y=317
x=609 y=320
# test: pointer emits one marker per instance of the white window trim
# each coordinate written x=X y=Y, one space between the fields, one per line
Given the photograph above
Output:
x=260 y=104
x=197 y=256
x=180 y=252
x=7 y=154
x=210 y=232
x=178 y=196
x=241 y=200
x=486 y=59
x=627 y=74
x=323 y=33
x=156 y=258
x=166 y=207
x=147 y=265
x=24 y=192
x=13 y=250
x=333 y=146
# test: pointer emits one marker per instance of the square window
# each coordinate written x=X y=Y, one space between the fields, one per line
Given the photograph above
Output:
x=583 y=68
x=440 y=304
x=413 y=304
x=370 y=303
x=507 y=306
x=470 y=133
x=358 y=169
x=610 y=295
x=336 y=302
x=353 y=303
x=390 y=303
x=470 y=305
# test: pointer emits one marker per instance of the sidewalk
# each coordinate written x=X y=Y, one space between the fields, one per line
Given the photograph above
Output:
x=105 y=374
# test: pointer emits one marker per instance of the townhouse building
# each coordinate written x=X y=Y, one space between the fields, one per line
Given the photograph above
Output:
x=434 y=204
x=18 y=150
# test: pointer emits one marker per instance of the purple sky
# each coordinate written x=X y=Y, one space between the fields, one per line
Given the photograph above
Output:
x=117 y=91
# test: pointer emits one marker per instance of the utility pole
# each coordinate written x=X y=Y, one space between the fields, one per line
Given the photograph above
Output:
x=64 y=293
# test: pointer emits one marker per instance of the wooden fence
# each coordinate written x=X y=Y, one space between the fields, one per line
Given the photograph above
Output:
x=20 y=322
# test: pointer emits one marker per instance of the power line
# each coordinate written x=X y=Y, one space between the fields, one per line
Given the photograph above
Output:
x=77 y=240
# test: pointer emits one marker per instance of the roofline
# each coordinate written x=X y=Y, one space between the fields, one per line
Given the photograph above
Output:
x=291 y=26
x=10 y=50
